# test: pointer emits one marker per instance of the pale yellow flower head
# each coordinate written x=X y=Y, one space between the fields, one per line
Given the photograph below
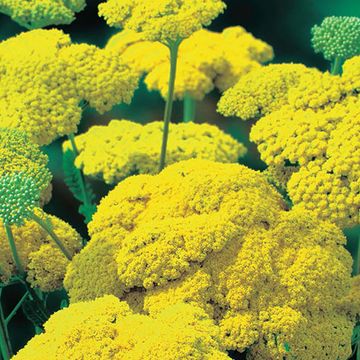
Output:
x=40 y=13
x=43 y=261
x=124 y=148
x=206 y=60
x=44 y=78
x=218 y=235
x=161 y=20
x=107 y=329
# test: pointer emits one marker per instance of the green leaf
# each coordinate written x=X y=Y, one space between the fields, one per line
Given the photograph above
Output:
x=35 y=311
x=75 y=182
x=356 y=335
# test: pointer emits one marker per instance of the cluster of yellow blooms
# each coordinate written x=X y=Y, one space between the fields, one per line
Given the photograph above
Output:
x=41 y=258
x=219 y=236
x=206 y=60
x=310 y=123
x=108 y=329
x=124 y=148
x=40 y=13
x=161 y=20
x=19 y=154
x=43 y=79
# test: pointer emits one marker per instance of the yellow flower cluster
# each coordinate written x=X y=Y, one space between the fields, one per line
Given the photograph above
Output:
x=218 y=235
x=206 y=59
x=263 y=90
x=123 y=148
x=41 y=258
x=309 y=131
x=40 y=13
x=107 y=329
x=19 y=154
x=43 y=79
x=161 y=20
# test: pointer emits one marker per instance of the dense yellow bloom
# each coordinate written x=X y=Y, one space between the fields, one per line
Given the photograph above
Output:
x=123 y=148
x=19 y=154
x=40 y=13
x=219 y=235
x=351 y=74
x=43 y=79
x=263 y=90
x=206 y=59
x=243 y=52
x=161 y=20
x=44 y=263
x=107 y=329
x=308 y=135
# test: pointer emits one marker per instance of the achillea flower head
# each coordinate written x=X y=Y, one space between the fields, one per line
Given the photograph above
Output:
x=206 y=59
x=40 y=13
x=298 y=130
x=262 y=90
x=44 y=78
x=161 y=20
x=255 y=268
x=19 y=154
x=123 y=148
x=337 y=36
x=243 y=52
x=19 y=195
x=43 y=261
x=107 y=329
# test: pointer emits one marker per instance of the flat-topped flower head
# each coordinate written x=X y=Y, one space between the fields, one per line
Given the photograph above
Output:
x=43 y=262
x=206 y=60
x=220 y=236
x=19 y=195
x=263 y=90
x=337 y=37
x=124 y=148
x=161 y=20
x=40 y=13
x=44 y=78
x=107 y=328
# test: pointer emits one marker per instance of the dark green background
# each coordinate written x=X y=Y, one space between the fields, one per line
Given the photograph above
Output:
x=285 y=24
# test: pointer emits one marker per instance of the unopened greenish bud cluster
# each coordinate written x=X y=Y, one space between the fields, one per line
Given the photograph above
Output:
x=19 y=195
x=337 y=36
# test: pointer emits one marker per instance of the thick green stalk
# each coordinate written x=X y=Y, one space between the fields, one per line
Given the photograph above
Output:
x=336 y=66
x=174 y=49
x=13 y=249
x=50 y=231
x=189 y=108
x=5 y=344
x=75 y=150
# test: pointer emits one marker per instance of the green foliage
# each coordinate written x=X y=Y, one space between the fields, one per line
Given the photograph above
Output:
x=82 y=191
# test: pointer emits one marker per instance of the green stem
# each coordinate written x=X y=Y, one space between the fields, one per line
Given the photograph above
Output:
x=13 y=249
x=50 y=231
x=336 y=66
x=75 y=150
x=16 y=308
x=174 y=49
x=5 y=344
x=189 y=108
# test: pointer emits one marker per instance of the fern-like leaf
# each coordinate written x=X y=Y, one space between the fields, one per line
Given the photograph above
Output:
x=75 y=182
